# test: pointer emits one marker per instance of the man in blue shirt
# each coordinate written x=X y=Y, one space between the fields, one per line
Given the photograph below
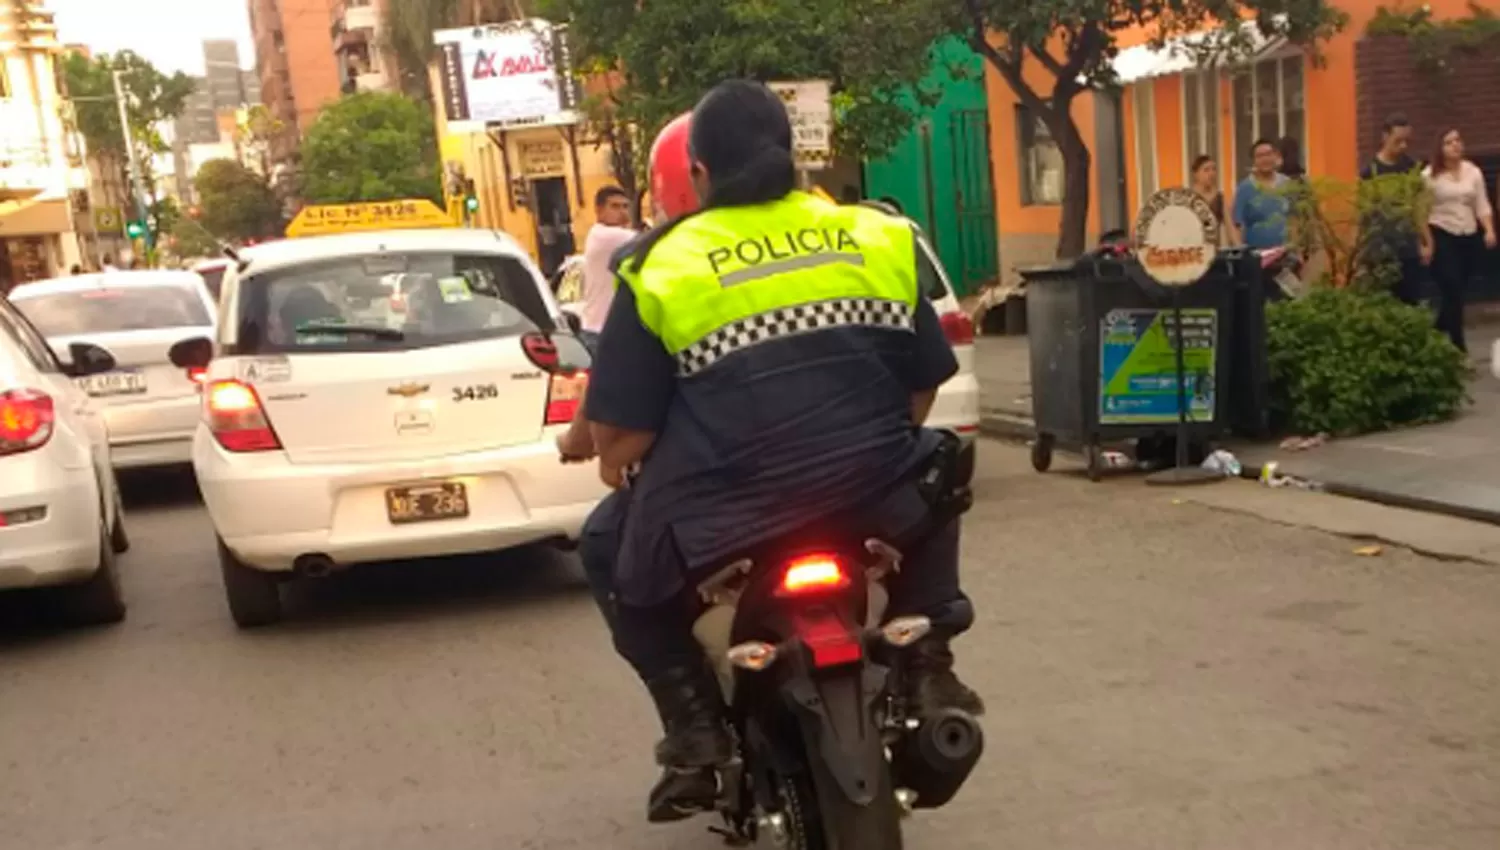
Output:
x=782 y=429
x=1261 y=204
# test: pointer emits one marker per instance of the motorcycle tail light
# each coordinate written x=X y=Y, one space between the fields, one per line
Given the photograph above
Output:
x=813 y=574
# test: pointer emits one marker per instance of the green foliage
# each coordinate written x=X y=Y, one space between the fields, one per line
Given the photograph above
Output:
x=188 y=239
x=237 y=204
x=372 y=146
x=1347 y=362
x=666 y=54
x=1073 y=42
x=152 y=97
x=1434 y=43
x=1358 y=225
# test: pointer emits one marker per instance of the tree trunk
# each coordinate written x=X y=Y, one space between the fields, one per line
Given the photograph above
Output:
x=1072 y=237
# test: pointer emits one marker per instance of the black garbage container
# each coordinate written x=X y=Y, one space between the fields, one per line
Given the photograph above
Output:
x=1249 y=387
x=1103 y=355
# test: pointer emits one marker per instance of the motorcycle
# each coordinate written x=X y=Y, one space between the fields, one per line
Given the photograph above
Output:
x=829 y=756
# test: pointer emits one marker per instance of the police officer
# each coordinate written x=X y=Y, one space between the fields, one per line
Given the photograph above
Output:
x=768 y=358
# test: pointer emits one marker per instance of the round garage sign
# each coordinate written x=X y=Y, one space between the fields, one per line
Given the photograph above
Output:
x=1176 y=237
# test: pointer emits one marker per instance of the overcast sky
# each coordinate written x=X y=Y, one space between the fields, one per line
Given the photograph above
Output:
x=168 y=32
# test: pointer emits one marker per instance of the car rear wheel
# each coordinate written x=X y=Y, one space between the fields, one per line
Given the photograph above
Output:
x=119 y=538
x=254 y=596
x=98 y=600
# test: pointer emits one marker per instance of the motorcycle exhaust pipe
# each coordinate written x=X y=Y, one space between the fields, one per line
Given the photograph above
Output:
x=935 y=759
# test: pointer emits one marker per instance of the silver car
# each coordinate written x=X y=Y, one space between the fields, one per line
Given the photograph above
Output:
x=150 y=406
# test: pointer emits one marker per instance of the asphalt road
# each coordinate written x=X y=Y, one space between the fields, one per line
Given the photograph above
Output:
x=1159 y=675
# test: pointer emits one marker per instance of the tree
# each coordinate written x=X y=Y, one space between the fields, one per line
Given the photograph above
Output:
x=256 y=133
x=1073 y=41
x=189 y=239
x=153 y=97
x=236 y=203
x=372 y=146
x=659 y=57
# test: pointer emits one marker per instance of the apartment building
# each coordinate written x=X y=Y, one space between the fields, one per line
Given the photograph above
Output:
x=364 y=65
x=43 y=179
x=299 y=70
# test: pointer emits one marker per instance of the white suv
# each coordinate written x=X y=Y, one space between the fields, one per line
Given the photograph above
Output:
x=60 y=519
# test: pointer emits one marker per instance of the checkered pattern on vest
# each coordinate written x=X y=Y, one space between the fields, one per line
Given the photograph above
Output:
x=789 y=321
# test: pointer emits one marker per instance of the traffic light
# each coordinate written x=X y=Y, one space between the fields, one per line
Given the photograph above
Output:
x=471 y=196
x=135 y=229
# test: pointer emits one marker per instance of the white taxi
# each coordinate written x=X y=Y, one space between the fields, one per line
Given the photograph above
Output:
x=151 y=406
x=60 y=519
x=381 y=396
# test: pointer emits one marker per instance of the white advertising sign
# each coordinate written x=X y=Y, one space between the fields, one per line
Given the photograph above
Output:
x=1176 y=237
x=809 y=104
x=516 y=75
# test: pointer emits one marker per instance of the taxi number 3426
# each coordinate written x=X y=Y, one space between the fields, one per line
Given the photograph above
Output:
x=476 y=392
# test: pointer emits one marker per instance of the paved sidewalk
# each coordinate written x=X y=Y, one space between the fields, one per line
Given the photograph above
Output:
x=1451 y=468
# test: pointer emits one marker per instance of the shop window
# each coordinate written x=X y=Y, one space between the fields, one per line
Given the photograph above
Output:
x=1143 y=102
x=1200 y=118
x=1269 y=102
x=1041 y=161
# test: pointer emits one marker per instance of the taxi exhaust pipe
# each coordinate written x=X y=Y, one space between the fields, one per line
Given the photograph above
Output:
x=314 y=566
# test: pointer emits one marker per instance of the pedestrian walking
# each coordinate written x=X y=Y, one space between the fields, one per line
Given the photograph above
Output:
x=1261 y=205
x=1463 y=225
x=610 y=232
x=1205 y=179
x=1402 y=235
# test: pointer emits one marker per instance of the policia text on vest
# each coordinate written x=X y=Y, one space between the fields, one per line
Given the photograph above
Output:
x=772 y=253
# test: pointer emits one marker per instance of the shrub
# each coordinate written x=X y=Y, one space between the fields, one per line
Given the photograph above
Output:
x=1347 y=362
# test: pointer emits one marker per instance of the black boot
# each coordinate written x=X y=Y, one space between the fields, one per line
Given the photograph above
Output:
x=931 y=684
x=692 y=715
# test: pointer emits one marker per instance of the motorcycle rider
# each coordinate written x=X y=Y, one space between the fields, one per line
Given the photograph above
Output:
x=769 y=358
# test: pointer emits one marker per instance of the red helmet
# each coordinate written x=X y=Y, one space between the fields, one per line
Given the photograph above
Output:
x=672 y=170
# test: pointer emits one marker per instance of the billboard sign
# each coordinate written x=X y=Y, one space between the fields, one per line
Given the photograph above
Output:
x=507 y=76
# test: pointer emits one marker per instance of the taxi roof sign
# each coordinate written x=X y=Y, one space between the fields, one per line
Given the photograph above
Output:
x=328 y=219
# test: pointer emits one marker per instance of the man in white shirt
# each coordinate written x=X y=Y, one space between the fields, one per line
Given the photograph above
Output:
x=610 y=232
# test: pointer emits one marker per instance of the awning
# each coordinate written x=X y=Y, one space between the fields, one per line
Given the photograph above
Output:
x=9 y=194
x=42 y=217
x=1178 y=55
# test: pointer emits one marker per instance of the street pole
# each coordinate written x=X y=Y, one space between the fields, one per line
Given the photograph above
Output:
x=137 y=181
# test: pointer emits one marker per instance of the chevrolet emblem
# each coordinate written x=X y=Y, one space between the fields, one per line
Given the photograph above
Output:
x=409 y=390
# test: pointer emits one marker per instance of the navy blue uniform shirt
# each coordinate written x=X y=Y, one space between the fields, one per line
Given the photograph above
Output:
x=762 y=442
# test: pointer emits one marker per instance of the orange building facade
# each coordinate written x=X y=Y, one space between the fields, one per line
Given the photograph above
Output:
x=299 y=72
x=1168 y=113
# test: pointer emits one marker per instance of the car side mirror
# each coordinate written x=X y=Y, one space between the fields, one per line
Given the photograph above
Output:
x=86 y=359
x=192 y=353
x=572 y=355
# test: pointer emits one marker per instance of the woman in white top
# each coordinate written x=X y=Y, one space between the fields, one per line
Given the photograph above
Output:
x=1463 y=226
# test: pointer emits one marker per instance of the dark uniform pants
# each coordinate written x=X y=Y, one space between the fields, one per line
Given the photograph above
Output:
x=658 y=639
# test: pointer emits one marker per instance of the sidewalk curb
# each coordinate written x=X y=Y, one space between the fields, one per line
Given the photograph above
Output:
x=1012 y=428
x=1389 y=499
x=1006 y=426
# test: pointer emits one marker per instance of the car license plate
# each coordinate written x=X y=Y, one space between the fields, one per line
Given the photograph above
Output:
x=427 y=502
x=113 y=384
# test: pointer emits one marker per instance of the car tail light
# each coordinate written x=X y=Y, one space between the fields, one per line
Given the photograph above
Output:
x=564 y=397
x=957 y=327
x=813 y=574
x=27 y=419
x=236 y=419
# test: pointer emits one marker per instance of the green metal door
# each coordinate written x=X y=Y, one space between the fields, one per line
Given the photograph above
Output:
x=940 y=172
x=974 y=200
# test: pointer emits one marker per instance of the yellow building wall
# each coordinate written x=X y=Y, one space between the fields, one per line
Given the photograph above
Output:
x=484 y=162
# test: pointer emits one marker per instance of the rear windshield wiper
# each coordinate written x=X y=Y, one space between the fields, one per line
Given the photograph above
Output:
x=376 y=331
